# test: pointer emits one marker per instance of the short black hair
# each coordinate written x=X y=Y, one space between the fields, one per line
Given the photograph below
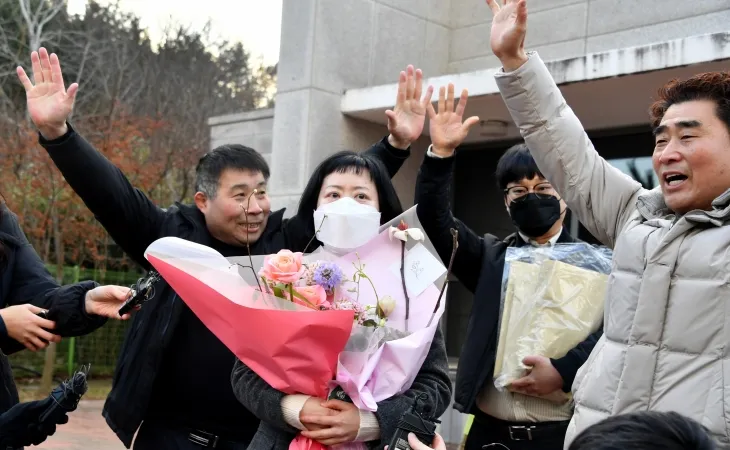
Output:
x=231 y=156
x=645 y=430
x=516 y=164
x=348 y=161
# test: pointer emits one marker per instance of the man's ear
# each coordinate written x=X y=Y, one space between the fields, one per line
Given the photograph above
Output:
x=201 y=201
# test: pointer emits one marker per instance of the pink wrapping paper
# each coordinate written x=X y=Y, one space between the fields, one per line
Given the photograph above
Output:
x=292 y=347
x=378 y=374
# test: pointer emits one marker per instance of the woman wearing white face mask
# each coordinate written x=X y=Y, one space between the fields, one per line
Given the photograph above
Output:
x=355 y=193
x=354 y=190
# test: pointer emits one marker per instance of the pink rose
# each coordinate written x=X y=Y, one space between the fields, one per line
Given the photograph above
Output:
x=283 y=267
x=316 y=296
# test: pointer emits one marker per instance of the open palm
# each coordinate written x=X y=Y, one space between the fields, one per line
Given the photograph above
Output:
x=447 y=127
x=406 y=120
x=49 y=103
x=509 y=27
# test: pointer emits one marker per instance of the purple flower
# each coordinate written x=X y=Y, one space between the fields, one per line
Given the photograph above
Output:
x=328 y=275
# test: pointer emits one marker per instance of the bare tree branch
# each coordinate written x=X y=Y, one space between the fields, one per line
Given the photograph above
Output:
x=35 y=21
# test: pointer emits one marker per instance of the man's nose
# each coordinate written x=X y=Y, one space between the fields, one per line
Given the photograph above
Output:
x=252 y=206
x=670 y=153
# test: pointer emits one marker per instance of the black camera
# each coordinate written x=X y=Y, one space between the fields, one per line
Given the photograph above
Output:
x=416 y=421
x=142 y=291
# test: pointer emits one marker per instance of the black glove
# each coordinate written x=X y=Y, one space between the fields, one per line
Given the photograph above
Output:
x=21 y=425
x=31 y=423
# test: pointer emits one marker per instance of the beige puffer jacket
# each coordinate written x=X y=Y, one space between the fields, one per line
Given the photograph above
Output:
x=666 y=330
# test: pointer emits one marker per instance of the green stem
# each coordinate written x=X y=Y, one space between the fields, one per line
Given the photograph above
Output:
x=266 y=283
x=292 y=293
x=377 y=298
x=357 y=286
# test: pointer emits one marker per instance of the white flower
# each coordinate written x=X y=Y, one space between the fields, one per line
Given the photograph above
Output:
x=387 y=305
x=411 y=233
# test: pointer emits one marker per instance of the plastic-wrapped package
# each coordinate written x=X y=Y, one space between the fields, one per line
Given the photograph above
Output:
x=552 y=299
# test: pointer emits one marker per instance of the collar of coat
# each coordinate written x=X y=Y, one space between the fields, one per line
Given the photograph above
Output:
x=192 y=214
x=651 y=205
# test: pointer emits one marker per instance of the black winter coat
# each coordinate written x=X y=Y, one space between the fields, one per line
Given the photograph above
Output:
x=25 y=279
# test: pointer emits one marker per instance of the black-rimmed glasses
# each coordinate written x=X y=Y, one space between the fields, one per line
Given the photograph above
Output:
x=517 y=193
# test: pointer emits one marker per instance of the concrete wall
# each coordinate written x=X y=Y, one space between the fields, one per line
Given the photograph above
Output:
x=253 y=129
x=560 y=29
x=328 y=46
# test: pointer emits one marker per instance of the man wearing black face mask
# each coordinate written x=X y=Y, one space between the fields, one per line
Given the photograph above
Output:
x=513 y=419
x=533 y=204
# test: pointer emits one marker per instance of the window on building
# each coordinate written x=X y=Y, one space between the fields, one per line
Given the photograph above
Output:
x=639 y=168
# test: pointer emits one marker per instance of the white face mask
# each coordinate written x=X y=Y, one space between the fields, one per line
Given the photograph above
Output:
x=348 y=224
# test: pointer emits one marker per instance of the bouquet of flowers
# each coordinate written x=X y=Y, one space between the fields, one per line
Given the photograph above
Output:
x=552 y=300
x=359 y=324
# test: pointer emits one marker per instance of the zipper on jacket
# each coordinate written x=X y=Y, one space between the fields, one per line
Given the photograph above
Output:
x=169 y=316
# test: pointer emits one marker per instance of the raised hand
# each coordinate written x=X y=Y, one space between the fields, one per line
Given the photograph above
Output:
x=49 y=103
x=406 y=120
x=446 y=127
x=509 y=27
x=105 y=301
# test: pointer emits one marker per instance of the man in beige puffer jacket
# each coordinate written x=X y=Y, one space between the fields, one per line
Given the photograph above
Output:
x=667 y=317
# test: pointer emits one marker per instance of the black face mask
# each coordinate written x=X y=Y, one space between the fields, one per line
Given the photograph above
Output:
x=534 y=215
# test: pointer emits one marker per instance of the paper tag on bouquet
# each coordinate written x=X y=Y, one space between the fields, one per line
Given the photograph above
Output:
x=420 y=269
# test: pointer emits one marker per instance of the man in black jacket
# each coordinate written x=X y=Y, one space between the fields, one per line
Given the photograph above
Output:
x=173 y=373
x=513 y=419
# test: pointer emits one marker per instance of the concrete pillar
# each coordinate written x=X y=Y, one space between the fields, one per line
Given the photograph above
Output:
x=329 y=46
